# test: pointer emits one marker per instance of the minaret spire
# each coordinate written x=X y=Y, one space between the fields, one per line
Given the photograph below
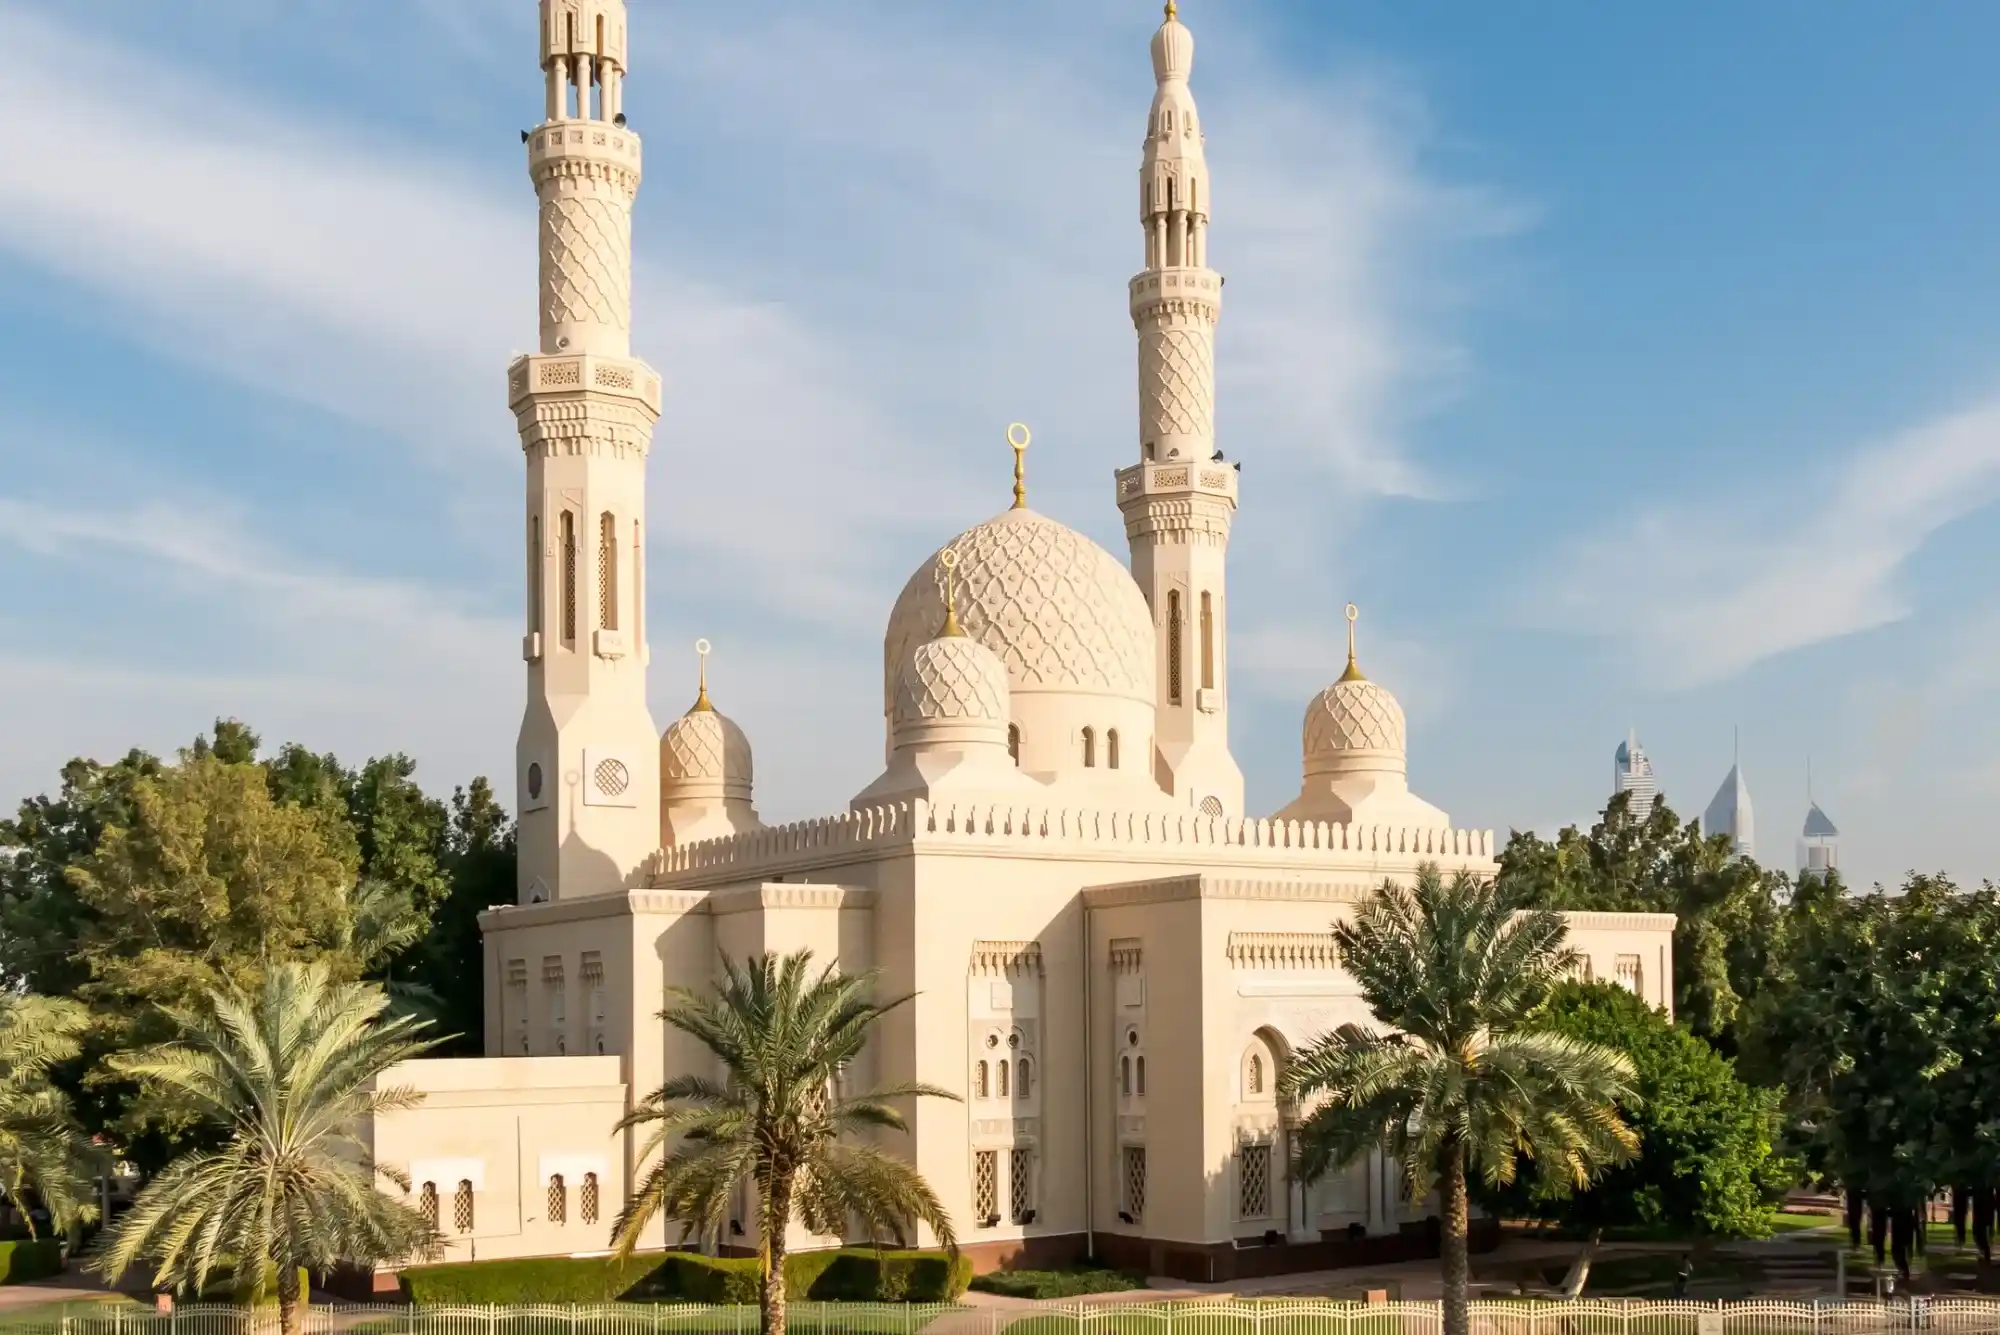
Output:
x=1180 y=498
x=588 y=753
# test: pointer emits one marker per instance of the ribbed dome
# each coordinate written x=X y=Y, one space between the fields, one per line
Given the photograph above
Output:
x=952 y=679
x=1353 y=720
x=1173 y=50
x=703 y=751
x=1057 y=610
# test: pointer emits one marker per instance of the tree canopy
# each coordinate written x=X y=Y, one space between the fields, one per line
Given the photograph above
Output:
x=1707 y=1164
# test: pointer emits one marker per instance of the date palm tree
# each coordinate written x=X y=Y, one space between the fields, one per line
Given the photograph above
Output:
x=1457 y=1082
x=779 y=1118
x=286 y=1075
x=45 y=1156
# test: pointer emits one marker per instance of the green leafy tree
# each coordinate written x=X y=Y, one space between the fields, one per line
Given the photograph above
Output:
x=779 y=1119
x=285 y=1076
x=45 y=1156
x=480 y=863
x=1459 y=1081
x=1707 y=1165
x=1727 y=909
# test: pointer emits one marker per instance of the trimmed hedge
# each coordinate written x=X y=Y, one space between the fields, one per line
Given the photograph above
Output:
x=844 y=1275
x=28 y=1259
x=536 y=1279
x=854 y=1274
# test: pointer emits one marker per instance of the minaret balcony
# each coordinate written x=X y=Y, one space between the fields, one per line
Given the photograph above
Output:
x=579 y=375
x=1214 y=480
x=1156 y=287
x=591 y=141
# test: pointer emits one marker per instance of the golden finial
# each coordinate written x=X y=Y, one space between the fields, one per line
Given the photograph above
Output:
x=1173 y=11
x=951 y=630
x=701 y=704
x=1353 y=672
x=1018 y=436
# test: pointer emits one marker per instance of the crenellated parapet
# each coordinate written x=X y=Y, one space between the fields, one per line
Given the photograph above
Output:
x=995 y=829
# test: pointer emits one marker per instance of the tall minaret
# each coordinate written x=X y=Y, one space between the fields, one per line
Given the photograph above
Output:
x=588 y=757
x=1178 y=501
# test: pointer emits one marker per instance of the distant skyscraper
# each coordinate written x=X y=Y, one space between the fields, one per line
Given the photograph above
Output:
x=1729 y=813
x=1819 y=843
x=1632 y=772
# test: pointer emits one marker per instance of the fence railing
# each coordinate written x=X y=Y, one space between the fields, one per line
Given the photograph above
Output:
x=1254 y=1317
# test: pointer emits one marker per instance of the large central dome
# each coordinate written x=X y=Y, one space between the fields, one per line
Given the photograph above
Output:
x=1062 y=613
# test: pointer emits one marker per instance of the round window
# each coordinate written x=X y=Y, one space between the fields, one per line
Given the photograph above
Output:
x=1131 y=1038
x=1013 y=1040
x=993 y=1040
x=534 y=781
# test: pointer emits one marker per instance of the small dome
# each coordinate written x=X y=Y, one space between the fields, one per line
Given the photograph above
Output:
x=1354 y=715
x=1058 y=611
x=1173 y=49
x=952 y=679
x=704 y=752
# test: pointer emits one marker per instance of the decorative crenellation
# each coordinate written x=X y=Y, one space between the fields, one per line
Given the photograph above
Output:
x=1283 y=950
x=1045 y=830
x=1127 y=955
x=1007 y=959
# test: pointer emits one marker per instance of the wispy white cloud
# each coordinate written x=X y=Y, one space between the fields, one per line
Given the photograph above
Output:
x=927 y=232
x=1701 y=591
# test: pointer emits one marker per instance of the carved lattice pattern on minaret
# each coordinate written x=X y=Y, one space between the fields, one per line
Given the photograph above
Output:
x=585 y=245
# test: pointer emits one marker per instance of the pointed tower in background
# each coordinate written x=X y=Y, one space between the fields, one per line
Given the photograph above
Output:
x=587 y=762
x=1729 y=811
x=1632 y=772
x=1819 y=838
x=1180 y=498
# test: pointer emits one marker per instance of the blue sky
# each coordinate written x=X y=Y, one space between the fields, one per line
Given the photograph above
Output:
x=1630 y=367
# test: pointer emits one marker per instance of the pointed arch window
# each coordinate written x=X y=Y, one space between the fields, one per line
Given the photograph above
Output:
x=1125 y=1075
x=980 y=1086
x=558 y=1200
x=607 y=571
x=567 y=535
x=1024 y=1082
x=1207 y=642
x=589 y=1198
x=1256 y=1080
x=1111 y=748
x=1140 y=1087
x=1090 y=748
x=1001 y=1068
x=1173 y=646
x=427 y=1204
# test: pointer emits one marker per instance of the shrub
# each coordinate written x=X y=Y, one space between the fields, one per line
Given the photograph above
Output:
x=29 y=1259
x=848 y=1274
x=1057 y=1283
x=539 y=1279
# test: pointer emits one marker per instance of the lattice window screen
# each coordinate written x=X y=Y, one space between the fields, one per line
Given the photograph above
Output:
x=461 y=1206
x=558 y=1200
x=587 y=1198
x=607 y=572
x=986 y=1185
x=1173 y=646
x=567 y=527
x=1253 y=1181
x=1021 y=1184
x=1135 y=1181
x=427 y=1203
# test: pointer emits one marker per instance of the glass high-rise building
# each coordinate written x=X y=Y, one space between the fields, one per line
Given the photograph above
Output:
x=1632 y=772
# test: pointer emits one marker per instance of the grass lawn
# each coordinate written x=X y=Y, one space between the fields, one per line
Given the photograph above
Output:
x=1785 y=1222
x=82 y=1305
x=801 y=1318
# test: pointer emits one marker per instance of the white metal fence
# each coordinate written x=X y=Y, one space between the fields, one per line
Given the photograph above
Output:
x=1266 y=1317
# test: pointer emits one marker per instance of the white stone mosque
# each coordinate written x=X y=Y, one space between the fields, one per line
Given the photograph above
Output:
x=1111 y=958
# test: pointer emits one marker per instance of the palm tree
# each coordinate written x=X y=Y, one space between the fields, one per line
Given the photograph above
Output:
x=44 y=1153
x=287 y=1075
x=1458 y=1082
x=780 y=1118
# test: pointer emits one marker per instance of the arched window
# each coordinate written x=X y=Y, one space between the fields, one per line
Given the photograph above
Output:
x=979 y=1085
x=1014 y=743
x=1089 y=748
x=1142 y=1078
x=1167 y=121
x=558 y=1200
x=1111 y=748
x=1207 y=643
x=1124 y=1075
x=1024 y=1085
x=461 y=1206
x=427 y=1203
x=607 y=572
x=535 y=575
x=638 y=587
x=1003 y=1064
x=1255 y=1084
x=588 y=1198
x=567 y=535
x=1173 y=646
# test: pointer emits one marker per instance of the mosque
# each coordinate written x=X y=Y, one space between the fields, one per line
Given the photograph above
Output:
x=1111 y=959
